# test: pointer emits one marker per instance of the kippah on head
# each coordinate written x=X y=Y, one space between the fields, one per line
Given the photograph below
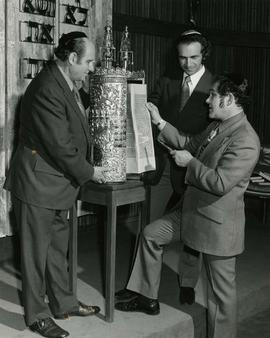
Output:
x=65 y=38
x=191 y=36
x=190 y=32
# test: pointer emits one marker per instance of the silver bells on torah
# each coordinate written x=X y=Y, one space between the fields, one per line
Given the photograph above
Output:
x=108 y=51
x=125 y=53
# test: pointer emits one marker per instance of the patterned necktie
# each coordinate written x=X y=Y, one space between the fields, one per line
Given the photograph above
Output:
x=213 y=133
x=79 y=101
x=185 y=93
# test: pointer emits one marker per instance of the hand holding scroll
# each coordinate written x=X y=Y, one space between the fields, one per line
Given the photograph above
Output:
x=154 y=113
x=181 y=157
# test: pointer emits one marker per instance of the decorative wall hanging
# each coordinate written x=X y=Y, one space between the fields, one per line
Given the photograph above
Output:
x=40 y=7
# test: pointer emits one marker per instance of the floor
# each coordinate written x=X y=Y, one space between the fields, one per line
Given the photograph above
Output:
x=174 y=320
x=257 y=326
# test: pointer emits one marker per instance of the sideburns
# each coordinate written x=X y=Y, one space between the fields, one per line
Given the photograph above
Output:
x=221 y=104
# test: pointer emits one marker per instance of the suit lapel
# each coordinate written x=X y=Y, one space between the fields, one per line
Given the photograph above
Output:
x=175 y=95
x=222 y=137
x=215 y=144
x=68 y=95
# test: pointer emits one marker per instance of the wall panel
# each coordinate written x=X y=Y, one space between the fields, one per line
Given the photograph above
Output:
x=3 y=76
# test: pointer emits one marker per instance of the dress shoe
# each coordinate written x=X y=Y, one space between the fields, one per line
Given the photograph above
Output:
x=140 y=304
x=124 y=295
x=48 y=328
x=187 y=295
x=82 y=311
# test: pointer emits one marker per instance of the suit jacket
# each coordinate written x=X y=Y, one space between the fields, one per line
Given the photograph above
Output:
x=191 y=120
x=50 y=162
x=213 y=217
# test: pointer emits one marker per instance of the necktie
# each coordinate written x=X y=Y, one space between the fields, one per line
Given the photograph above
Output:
x=185 y=92
x=79 y=101
x=213 y=133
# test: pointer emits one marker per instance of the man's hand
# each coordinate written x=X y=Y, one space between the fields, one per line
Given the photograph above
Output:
x=153 y=110
x=181 y=157
x=98 y=176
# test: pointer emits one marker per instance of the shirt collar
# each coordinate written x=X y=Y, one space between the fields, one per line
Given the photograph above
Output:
x=232 y=120
x=69 y=82
x=194 y=78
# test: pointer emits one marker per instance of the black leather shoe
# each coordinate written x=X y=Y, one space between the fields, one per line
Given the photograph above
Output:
x=125 y=295
x=48 y=328
x=187 y=295
x=82 y=311
x=140 y=304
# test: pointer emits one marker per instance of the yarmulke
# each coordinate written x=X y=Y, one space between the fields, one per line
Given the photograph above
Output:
x=65 y=38
x=189 y=32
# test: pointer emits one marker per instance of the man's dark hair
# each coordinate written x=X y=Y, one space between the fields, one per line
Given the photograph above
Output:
x=195 y=36
x=70 y=42
x=235 y=84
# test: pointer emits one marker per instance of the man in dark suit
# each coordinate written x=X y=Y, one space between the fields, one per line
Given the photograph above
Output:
x=210 y=218
x=180 y=97
x=47 y=169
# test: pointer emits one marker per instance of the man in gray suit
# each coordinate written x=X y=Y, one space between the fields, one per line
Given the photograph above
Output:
x=211 y=218
x=48 y=168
